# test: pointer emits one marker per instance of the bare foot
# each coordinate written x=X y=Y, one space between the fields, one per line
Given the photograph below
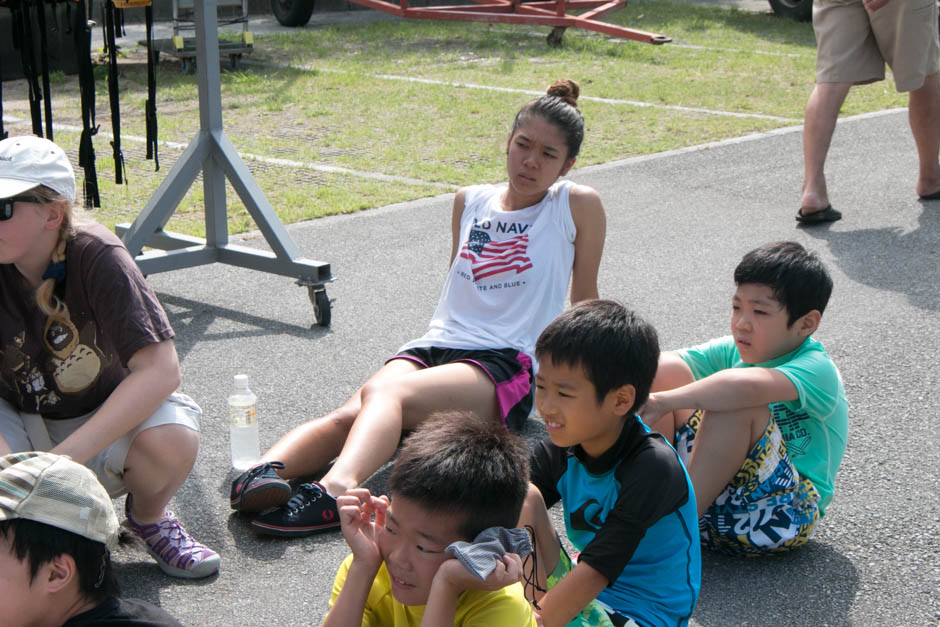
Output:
x=813 y=202
x=929 y=192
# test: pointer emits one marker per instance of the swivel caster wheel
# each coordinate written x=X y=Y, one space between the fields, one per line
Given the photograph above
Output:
x=321 y=304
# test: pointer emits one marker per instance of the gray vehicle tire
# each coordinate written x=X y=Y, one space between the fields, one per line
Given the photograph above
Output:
x=292 y=12
x=801 y=10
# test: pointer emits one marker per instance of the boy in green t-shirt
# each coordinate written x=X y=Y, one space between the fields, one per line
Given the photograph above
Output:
x=457 y=475
x=760 y=417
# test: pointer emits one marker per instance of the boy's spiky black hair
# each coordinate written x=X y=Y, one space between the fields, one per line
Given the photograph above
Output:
x=613 y=345
x=457 y=461
x=799 y=280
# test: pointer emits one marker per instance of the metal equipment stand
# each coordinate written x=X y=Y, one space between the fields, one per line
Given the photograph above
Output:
x=212 y=153
x=185 y=48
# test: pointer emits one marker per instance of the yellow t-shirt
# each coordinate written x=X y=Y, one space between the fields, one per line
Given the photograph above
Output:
x=506 y=607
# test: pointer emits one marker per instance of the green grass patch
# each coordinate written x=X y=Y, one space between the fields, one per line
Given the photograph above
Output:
x=337 y=96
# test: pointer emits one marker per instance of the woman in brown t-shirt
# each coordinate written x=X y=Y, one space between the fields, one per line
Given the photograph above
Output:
x=88 y=367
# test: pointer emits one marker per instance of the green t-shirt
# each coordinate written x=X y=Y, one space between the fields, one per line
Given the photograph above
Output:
x=506 y=607
x=815 y=425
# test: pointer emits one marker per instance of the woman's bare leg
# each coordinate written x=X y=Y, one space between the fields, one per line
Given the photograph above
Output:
x=390 y=405
x=157 y=464
x=311 y=446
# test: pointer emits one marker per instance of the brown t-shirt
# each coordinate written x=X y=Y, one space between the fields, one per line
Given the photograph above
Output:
x=67 y=369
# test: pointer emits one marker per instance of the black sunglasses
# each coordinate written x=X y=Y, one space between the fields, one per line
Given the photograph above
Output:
x=6 y=205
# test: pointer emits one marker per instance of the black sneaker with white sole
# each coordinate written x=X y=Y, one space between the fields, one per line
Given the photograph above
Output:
x=259 y=488
x=311 y=510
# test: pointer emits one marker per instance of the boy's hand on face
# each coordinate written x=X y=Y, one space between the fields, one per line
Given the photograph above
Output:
x=361 y=517
x=507 y=572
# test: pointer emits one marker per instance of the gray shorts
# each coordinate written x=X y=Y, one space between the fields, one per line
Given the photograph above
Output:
x=31 y=432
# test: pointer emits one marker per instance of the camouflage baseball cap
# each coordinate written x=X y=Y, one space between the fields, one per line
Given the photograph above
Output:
x=54 y=490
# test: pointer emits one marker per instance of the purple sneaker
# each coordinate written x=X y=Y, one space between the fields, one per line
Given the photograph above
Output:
x=176 y=552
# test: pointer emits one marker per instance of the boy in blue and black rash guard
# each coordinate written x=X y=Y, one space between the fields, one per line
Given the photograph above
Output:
x=628 y=503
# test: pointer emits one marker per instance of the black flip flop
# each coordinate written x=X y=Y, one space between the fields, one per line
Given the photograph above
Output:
x=933 y=196
x=818 y=217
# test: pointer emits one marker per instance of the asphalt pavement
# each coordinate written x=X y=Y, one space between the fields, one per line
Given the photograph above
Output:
x=677 y=225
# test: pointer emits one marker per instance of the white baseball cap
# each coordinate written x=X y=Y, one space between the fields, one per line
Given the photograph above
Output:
x=54 y=490
x=27 y=161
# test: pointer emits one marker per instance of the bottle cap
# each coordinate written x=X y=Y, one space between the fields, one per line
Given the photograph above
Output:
x=241 y=381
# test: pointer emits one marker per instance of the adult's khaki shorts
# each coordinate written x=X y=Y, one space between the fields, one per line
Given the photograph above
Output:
x=854 y=45
x=30 y=432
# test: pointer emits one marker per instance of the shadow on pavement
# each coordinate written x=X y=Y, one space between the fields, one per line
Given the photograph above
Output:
x=191 y=320
x=818 y=586
x=906 y=262
x=149 y=580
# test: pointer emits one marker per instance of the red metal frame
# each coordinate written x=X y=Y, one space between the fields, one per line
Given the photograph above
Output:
x=545 y=12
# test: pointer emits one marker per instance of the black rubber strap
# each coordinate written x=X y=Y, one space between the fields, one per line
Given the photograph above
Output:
x=46 y=95
x=120 y=31
x=120 y=174
x=81 y=33
x=3 y=133
x=25 y=30
x=150 y=107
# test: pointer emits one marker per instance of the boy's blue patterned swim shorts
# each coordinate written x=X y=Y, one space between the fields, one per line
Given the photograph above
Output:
x=767 y=507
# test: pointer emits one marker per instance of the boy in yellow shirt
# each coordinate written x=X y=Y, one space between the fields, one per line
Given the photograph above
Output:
x=457 y=475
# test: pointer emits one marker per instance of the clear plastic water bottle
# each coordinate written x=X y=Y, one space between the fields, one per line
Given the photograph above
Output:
x=243 y=425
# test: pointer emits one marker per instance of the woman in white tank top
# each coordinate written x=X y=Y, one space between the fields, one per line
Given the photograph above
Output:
x=515 y=248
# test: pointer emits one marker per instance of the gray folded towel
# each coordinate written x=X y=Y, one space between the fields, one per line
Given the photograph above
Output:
x=479 y=556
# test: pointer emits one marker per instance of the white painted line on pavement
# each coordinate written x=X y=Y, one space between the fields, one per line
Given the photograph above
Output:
x=318 y=167
x=742 y=51
x=615 y=101
x=728 y=142
x=592 y=168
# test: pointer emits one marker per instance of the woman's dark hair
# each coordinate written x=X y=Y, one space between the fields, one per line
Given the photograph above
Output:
x=40 y=543
x=558 y=106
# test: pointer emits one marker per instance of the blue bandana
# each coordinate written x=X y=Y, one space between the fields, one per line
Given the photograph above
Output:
x=55 y=271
